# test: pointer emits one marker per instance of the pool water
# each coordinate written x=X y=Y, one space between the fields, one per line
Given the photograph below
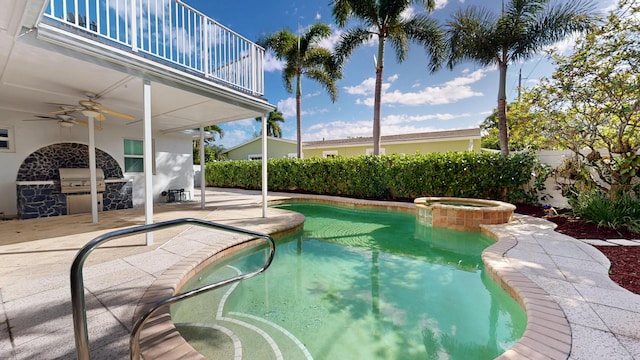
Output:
x=356 y=284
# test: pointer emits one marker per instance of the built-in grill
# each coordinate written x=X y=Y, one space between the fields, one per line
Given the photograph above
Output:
x=78 y=180
x=76 y=183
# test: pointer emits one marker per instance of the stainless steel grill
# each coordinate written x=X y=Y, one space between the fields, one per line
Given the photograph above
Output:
x=78 y=180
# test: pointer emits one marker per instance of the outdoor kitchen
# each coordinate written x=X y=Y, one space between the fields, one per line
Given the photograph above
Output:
x=55 y=180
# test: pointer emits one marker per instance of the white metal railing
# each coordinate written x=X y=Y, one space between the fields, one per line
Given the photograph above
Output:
x=169 y=31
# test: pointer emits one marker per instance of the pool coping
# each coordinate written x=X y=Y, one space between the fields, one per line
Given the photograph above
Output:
x=547 y=333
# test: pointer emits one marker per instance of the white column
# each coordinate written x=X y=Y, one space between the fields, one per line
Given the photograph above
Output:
x=265 y=184
x=148 y=162
x=203 y=185
x=91 y=115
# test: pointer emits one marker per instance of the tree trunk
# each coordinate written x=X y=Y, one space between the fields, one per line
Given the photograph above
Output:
x=299 y=115
x=502 y=110
x=378 y=97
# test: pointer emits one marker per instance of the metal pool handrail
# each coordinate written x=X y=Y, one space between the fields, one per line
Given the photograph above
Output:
x=77 y=282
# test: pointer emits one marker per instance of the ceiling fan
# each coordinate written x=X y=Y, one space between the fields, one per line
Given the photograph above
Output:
x=64 y=120
x=90 y=104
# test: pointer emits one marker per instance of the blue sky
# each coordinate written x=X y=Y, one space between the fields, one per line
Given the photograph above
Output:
x=414 y=100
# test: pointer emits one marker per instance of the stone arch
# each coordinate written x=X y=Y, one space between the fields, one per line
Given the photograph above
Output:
x=43 y=164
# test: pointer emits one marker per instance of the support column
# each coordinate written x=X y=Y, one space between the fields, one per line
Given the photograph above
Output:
x=203 y=185
x=148 y=160
x=91 y=116
x=265 y=184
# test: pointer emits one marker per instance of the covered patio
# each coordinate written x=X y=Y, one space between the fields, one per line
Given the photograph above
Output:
x=95 y=74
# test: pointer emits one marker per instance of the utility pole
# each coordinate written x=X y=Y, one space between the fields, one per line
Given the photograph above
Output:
x=519 y=83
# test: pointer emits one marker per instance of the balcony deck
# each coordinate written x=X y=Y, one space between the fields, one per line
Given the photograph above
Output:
x=168 y=32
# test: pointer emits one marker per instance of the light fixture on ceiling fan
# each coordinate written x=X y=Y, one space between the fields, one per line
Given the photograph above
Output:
x=64 y=120
x=91 y=104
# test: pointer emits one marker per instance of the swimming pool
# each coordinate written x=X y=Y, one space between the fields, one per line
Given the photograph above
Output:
x=356 y=284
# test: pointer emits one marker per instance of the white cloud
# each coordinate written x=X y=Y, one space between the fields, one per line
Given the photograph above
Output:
x=404 y=118
x=367 y=86
x=287 y=107
x=318 y=16
x=337 y=130
x=407 y=13
x=469 y=78
x=364 y=88
x=346 y=129
x=332 y=40
x=233 y=137
x=313 y=94
x=440 y=4
x=449 y=92
x=271 y=63
x=565 y=46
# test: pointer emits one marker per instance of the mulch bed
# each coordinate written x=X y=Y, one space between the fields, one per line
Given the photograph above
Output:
x=625 y=260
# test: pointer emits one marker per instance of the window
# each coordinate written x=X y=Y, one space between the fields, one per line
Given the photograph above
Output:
x=370 y=151
x=329 y=153
x=6 y=139
x=256 y=157
x=133 y=156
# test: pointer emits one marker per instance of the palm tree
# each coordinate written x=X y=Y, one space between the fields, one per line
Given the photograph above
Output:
x=273 y=129
x=523 y=29
x=385 y=20
x=214 y=129
x=303 y=56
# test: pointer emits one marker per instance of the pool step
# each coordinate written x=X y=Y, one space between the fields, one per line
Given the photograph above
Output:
x=242 y=337
x=218 y=334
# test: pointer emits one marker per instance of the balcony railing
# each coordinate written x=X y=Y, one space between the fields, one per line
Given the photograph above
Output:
x=169 y=31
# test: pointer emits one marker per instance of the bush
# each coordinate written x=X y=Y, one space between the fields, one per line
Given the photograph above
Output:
x=396 y=177
x=598 y=207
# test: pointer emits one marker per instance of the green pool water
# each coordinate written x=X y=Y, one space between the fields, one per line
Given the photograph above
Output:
x=356 y=284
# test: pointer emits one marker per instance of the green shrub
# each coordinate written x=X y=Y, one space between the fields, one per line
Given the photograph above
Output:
x=465 y=174
x=598 y=207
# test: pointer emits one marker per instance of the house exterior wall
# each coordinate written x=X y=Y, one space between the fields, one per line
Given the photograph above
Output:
x=406 y=148
x=174 y=157
x=275 y=149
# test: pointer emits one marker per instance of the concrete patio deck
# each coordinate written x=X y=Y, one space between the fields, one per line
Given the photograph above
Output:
x=35 y=257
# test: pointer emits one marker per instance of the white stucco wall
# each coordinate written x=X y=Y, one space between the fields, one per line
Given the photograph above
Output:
x=174 y=158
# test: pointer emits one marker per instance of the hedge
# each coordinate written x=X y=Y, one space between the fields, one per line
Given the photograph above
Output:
x=394 y=177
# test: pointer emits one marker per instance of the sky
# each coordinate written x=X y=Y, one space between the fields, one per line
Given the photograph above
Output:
x=413 y=100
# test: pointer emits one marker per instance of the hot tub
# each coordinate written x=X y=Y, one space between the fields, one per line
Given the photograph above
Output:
x=462 y=213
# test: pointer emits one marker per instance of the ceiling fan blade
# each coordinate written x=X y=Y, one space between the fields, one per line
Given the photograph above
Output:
x=42 y=118
x=101 y=117
x=106 y=110
x=64 y=110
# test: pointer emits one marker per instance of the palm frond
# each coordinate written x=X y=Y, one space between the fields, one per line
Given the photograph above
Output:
x=553 y=25
x=289 y=73
x=471 y=35
x=351 y=40
x=280 y=43
x=313 y=35
x=429 y=34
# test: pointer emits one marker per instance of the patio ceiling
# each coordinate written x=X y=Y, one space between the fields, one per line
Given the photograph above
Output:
x=34 y=74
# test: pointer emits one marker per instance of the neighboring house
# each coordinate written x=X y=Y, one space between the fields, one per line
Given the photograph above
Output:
x=252 y=149
x=422 y=143
x=177 y=70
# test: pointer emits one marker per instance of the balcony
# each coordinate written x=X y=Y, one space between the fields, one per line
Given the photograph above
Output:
x=168 y=32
